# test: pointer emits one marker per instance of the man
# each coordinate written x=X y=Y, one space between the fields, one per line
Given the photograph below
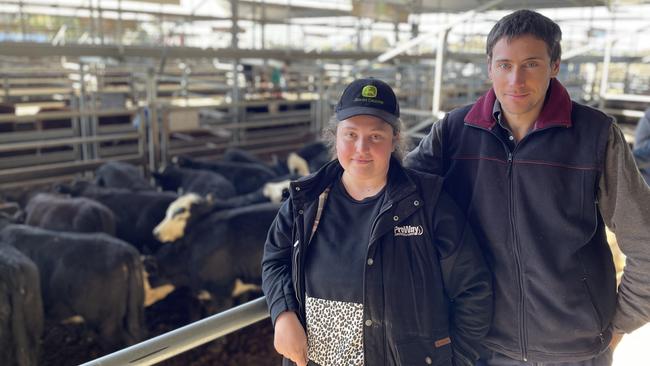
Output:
x=642 y=145
x=539 y=177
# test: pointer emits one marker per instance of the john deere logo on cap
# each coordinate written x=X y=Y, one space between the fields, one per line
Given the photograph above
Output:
x=369 y=91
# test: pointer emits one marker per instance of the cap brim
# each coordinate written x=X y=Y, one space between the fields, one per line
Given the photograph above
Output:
x=357 y=111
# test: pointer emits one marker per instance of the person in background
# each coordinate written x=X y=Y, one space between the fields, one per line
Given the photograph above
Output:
x=539 y=176
x=370 y=263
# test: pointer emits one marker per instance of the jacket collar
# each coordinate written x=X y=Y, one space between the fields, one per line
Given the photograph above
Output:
x=555 y=112
x=310 y=187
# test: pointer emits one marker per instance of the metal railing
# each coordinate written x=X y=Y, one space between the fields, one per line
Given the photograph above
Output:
x=190 y=336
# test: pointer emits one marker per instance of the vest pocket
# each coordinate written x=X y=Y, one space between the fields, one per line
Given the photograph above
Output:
x=598 y=317
x=425 y=351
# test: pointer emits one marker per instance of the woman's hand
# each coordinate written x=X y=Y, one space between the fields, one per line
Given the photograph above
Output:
x=290 y=339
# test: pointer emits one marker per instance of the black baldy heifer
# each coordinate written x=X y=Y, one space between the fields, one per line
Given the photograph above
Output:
x=246 y=177
x=202 y=182
x=191 y=207
x=117 y=174
x=136 y=213
x=79 y=214
x=316 y=154
x=215 y=250
x=21 y=309
x=94 y=276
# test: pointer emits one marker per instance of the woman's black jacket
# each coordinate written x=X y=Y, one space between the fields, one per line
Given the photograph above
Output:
x=426 y=289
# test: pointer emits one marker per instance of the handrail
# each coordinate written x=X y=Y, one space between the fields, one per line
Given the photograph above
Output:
x=190 y=336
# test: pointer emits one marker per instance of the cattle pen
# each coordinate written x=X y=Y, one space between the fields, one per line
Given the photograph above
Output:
x=146 y=146
x=170 y=344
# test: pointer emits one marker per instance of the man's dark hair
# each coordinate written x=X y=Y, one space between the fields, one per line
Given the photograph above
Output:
x=527 y=22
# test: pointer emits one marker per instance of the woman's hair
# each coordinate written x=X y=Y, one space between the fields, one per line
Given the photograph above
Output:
x=329 y=138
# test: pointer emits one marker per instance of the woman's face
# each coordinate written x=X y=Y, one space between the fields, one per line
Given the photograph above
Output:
x=364 y=145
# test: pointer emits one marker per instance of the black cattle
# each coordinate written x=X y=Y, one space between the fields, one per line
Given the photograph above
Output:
x=79 y=214
x=117 y=174
x=294 y=165
x=191 y=207
x=21 y=309
x=210 y=253
x=202 y=182
x=316 y=154
x=136 y=213
x=246 y=177
x=94 y=276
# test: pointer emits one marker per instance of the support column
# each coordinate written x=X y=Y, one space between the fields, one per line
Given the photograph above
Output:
x=604 y=75
x=234 y=43
x=152 y=122
x=437 y=80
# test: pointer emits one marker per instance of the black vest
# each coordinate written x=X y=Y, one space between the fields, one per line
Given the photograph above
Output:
x=535 y=212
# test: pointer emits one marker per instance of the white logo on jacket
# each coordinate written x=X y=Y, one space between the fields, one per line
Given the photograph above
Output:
x=408 y=230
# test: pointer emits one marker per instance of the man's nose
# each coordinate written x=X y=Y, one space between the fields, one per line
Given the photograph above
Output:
x=517 y=77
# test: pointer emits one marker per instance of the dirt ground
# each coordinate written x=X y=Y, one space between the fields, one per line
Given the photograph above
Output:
x=74 y=344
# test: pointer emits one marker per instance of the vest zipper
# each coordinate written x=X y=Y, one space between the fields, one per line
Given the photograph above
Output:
x=523 y=348
x=517 y=252
x=522 y=304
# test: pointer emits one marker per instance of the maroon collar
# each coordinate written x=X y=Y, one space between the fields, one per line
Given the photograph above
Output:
x=556 y=110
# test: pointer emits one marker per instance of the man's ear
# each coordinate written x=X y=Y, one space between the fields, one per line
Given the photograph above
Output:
x=555 y=68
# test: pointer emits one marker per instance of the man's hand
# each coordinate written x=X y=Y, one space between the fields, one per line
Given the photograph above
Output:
x=616 y=339
x=290 y=339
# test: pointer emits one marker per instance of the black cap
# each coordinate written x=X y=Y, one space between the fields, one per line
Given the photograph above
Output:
x=369 y=96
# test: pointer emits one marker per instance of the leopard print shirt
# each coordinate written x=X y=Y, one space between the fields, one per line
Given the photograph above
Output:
x=334 y=332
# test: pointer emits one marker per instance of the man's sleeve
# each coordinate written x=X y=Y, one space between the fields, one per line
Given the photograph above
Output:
x=277 y=282
x=428 y=155
x=467 y=280
x=624 y=203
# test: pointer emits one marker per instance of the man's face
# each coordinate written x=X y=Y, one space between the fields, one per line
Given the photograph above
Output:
x=520 y=70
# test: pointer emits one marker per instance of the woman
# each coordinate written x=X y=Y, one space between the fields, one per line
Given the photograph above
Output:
x=370 y=263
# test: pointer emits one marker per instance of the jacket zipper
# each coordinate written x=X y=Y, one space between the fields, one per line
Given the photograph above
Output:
x=298 y=257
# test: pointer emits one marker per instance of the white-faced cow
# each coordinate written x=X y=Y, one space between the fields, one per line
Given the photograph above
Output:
x=94 y=276
x=58 y=213
x=211 y=250
x=21 y=309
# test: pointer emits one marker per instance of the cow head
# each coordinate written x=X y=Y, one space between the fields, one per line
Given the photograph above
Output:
x=276 y=192
x=180 y=214
x=168 y=178
x=297 y=165
x=5 y=220
x=76 y=188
